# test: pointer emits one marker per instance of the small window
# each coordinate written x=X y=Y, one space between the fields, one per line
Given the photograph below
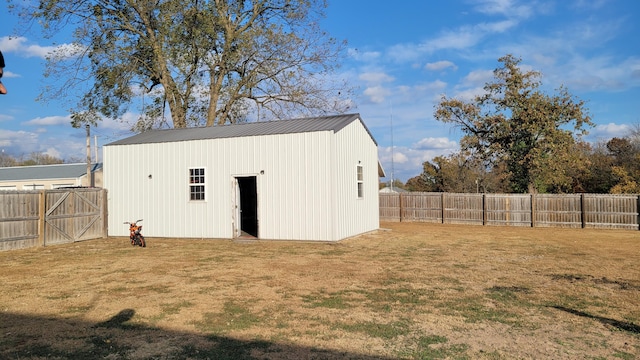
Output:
x=33 y=187
x=360 y=182
x=196 y=184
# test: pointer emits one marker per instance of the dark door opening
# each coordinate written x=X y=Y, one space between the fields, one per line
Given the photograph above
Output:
x=248 y=193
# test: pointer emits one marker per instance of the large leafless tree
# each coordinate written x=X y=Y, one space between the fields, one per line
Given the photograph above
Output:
x=192 y=62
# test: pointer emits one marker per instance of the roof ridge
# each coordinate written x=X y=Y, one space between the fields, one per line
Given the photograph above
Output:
x=333 y=123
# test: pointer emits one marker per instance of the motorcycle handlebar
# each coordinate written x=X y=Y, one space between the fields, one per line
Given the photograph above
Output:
x=129 y=223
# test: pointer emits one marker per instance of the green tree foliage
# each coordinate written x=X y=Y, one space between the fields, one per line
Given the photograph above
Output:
x=599 y=178
x=209 y=61
x=397 y=184
x=515 y=123
x=459 y=172
x=625 y=160
x=419 y=183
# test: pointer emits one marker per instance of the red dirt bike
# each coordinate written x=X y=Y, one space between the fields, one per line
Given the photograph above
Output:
x=135 y=234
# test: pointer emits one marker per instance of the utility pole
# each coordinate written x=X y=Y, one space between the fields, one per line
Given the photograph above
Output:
x=89 y=175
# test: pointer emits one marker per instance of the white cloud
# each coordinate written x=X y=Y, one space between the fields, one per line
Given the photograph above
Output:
x=375 y=77
x=9 y=74
x=431 y=143
x=461 y=38
x=590 y=4
x=18 y=142
x=20 y=45
x=364 y=56
x=599 y=73
x=4 y=117
x=419 y=94
x=399 y=157
x=469 y=94
x=376 y=94
x=49 y=120
x=53 y=152
x=610 y=130
x=509 y=8
x=496 y=27
x=123 y=124
x=407 y=162
x=440 y=65
x=478 y=78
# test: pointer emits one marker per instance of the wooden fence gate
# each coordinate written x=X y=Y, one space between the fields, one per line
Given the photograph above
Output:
x=49 y=217
x=73 y=215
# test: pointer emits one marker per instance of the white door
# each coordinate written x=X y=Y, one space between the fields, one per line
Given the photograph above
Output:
x=237 y=230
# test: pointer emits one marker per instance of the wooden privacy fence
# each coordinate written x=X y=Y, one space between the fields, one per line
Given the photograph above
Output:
x=47 y=217
x=534 y=210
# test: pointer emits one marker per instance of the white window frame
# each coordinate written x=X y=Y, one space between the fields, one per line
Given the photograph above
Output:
x=33 y=187
x=197 y=184
x=360 y=181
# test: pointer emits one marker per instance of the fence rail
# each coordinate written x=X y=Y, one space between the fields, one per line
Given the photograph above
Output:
x=46 y=217
x=532 y=210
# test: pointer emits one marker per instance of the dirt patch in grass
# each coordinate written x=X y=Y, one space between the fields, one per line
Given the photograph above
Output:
x=410 y=290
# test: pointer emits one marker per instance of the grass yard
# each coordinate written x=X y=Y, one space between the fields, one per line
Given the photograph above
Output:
x=409 y=291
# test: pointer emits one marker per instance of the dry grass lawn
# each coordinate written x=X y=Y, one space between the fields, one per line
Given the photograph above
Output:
x=409 y=291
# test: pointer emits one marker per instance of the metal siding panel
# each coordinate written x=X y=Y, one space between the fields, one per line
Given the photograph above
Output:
x=356 y=216
x=293 y=195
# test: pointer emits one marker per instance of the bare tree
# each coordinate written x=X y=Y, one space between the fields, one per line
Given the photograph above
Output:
x=210 y=62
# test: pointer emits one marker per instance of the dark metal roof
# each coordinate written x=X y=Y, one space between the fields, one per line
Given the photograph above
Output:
x=312 y=124
x=42 y=172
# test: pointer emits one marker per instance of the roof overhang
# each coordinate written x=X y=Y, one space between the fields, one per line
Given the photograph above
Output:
x=381 y=172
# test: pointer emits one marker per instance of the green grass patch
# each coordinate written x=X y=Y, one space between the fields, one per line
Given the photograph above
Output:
x=435 y=347
x=386 y=297
x=233 y=317
x=225 y=349
x=78 y=309
x=174 y=308
x=623 y=355
x=476 y=310
x=337 y=300
x=507 y=294
x=379 y=330
x=168 y=309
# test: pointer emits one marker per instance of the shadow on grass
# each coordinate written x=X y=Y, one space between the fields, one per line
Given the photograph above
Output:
x=33 y=337
x=622 y=325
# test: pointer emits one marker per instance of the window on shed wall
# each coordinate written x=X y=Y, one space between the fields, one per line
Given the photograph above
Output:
x=196 y=184
x=33 y=187
x=360 y=181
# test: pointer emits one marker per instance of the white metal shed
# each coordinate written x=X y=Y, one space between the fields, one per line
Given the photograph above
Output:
x=301 y=179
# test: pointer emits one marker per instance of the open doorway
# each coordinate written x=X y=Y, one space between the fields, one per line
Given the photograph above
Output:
x=246 y=204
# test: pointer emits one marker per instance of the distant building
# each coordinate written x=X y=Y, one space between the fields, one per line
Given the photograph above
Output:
x=45 y=177
x=395 y=190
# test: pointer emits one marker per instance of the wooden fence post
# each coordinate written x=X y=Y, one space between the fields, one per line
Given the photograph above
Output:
x=401 y=208
x=533 y=210
x=583 y=212
x=484 y=209
x=105 y=215
x=638 y=211
x=442 y=205
x=42 y=209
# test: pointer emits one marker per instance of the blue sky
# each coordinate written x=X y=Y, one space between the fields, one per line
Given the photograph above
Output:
x=401 y=59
